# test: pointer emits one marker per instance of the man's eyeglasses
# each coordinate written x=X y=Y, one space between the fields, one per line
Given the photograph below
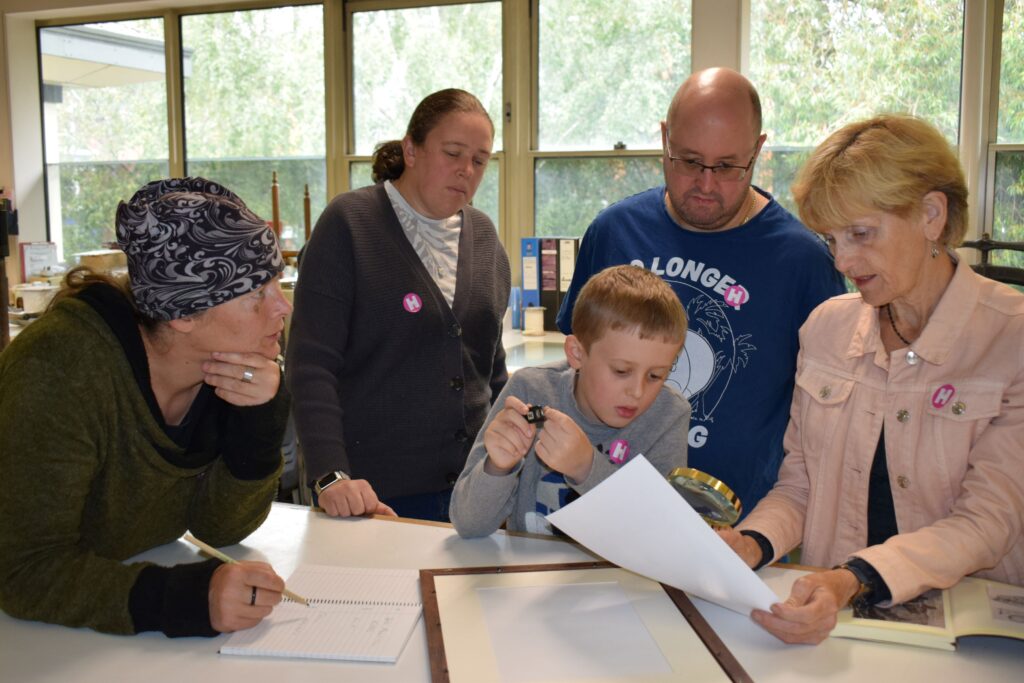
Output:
x=691 y=168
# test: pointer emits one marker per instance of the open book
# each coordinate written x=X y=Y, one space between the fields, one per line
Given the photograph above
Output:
x=973 y=607
x=355 y=614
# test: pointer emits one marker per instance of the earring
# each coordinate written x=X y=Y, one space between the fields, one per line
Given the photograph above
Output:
x=935 y=250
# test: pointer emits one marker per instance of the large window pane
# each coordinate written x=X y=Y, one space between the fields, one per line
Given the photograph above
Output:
x=1008 y=200
x=104 y=124
x=360 y=174
x=607 y=71
x=1008 y=214
x=819 y=64
x=1011 y=74
x=570 y=192
x=401 y=56
x=486 y=198
x=254 y=104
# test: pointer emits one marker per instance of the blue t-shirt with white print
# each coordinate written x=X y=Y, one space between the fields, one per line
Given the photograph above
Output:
x=746 y=292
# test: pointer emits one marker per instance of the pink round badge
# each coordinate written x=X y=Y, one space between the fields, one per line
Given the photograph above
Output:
x=943 y=395
x=618 y=451
x=736 y=296
x=412 y=302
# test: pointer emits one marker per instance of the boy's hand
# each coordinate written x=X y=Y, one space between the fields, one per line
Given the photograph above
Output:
x=564 y=447
x=508 y=437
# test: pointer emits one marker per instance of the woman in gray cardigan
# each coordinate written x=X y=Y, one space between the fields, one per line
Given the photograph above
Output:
x=395 y=350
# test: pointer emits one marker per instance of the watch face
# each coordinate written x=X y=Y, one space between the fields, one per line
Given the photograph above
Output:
x=326 y=479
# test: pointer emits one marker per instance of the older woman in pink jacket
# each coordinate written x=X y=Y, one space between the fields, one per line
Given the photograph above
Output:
x=903 y=468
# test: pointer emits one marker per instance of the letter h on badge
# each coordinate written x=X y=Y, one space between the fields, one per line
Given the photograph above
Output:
x=411 y=302
x=618 y=451
x=942 y=395
x=736 y=296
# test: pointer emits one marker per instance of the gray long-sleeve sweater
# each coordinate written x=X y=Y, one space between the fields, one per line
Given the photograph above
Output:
x=482 y=501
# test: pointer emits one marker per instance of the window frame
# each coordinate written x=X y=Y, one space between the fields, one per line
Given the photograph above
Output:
x=987 y=179
x=534 y=154
x=350 y=156
x=719 y=35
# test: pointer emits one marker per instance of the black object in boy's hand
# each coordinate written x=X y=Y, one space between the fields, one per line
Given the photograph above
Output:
x=535 y=415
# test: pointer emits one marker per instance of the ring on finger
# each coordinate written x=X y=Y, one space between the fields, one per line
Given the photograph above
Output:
x=248 y=375
x=252 y=600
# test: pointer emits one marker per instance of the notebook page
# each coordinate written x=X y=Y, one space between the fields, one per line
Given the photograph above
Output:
x=351 y=632
x=355 y=614
x=323 y=584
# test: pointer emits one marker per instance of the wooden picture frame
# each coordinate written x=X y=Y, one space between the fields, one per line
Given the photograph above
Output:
x=434 y=619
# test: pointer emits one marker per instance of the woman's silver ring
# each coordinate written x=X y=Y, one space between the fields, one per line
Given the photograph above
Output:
x=252 y=600
x=247 y=377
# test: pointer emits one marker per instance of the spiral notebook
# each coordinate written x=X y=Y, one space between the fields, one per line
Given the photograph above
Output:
x=364 y=615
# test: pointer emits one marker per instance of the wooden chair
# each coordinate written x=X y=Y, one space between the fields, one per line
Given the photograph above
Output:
x=1008 y=274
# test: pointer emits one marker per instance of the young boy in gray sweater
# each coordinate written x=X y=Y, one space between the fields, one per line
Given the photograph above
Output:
x=569 y=425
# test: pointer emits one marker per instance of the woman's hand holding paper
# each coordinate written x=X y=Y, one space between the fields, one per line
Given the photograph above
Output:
x=809 y=614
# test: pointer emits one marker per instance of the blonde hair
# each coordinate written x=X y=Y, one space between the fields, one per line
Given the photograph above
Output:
x=628 y=298
x=887 y=163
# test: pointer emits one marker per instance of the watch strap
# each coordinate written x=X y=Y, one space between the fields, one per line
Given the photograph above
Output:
x=328 y=480
x=866 y=589
x=767 y=549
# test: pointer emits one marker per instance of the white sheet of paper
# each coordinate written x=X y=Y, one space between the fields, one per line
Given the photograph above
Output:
x=637 y=520
x=561 y=632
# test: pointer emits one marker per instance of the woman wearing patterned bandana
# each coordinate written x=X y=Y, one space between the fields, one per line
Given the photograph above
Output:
x=395 y=350
x=144 y=409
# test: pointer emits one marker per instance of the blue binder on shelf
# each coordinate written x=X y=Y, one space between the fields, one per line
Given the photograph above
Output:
x=531 y=271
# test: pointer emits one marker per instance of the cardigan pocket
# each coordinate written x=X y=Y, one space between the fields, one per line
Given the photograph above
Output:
x=959 y=413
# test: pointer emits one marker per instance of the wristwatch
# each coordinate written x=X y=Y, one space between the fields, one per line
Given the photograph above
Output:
x=329 y=479
x=865 y=588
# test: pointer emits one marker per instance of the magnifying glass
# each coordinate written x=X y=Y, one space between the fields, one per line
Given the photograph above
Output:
x=711 y=498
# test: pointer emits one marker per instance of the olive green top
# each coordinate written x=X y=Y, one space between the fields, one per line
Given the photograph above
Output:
x=86 y=471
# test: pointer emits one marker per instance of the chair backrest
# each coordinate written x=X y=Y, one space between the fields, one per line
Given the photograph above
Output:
x=1009 y=274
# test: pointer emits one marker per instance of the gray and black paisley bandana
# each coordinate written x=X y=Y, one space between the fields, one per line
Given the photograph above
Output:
x=193 y=244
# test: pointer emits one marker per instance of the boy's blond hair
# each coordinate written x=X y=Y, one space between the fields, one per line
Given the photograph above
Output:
x=628 y=298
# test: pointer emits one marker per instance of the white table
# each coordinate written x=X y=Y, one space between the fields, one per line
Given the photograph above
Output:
x=292 y=535
x=524 y=351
